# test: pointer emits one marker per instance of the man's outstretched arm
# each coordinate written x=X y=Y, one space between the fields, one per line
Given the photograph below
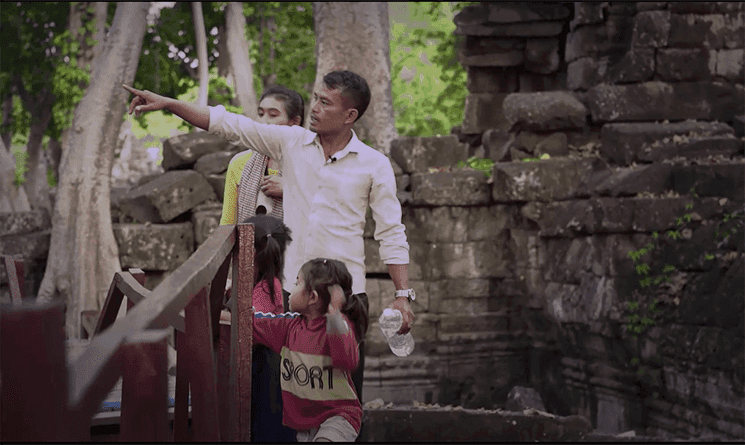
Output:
x=197 y=115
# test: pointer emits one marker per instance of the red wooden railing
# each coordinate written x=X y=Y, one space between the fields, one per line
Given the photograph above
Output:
x=16 y=281
x=45 y=398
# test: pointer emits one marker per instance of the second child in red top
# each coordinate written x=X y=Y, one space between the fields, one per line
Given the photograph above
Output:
x=319 y=352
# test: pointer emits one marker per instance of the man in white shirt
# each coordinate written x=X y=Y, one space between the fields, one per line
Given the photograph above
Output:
x=330 y=178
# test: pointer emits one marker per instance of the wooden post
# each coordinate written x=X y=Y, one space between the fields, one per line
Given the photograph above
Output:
x=34 y=374
x=181 y=397
x=16 y=279
x=138 y=275
x=202 y=369
x=144 y=415
x=221 y=338
x=241 y=336
x=111 y=306
x=217 y=292
x=224 y=398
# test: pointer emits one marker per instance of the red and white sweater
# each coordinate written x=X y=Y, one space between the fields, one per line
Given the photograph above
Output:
x=263 y=301
x=316 y=367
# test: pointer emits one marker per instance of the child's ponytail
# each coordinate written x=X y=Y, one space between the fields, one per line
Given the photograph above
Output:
x=356 y=311
x=271 y=237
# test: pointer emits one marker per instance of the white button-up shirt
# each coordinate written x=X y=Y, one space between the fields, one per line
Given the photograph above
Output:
x=325 y=202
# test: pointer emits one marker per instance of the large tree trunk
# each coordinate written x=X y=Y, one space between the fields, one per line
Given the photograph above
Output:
x=83 y=255
x=7 y=119
x=201 y=36
x=237 y=52
x=12 y=198
x=88 y=52
x=40 y=109
x=79 y=11
x=355 y=36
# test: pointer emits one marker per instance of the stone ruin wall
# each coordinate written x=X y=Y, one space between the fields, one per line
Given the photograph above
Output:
x=528 y=274
x=523 y=278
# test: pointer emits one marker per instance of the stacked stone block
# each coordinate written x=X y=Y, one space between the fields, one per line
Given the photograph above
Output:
x=27 y=234
x=159 y=223
x=509 y=47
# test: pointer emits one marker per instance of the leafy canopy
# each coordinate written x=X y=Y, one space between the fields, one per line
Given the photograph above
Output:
x=37 y=48
x=427 y=81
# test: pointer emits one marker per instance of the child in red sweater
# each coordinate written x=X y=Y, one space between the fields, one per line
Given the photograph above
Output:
x=271 y=237
x=319 y=352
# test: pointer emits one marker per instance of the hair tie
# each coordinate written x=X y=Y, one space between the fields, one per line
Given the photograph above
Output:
x=324 y=261
x=268 y=235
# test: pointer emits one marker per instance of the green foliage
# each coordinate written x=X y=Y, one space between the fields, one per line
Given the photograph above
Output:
x=729 y=222
x=639 y=315
x=40 y=57
x=428 y=82
x=478 y=164
x=66 y=85
x=293 y=44
x=21 y=166
x=284 y=57
x=673 y=234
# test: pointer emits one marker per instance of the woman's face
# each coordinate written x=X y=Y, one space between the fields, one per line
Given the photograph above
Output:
x=272 y=111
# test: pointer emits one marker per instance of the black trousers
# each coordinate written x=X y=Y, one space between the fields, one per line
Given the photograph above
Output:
x=357 y=375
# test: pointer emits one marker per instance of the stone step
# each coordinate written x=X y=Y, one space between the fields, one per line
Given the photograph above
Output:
x=625 y=143
x=419 y=154
x=432 y=423
x=657 y=101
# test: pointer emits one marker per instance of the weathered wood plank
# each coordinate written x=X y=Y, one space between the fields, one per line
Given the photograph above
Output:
x=168 y=299
x=223 y=382
x=217 y=292
x=181 y=397
x=241 y=337
x=34 y=372
x=144 y=415
x=136 y=292
x=201 y=369
x=139 y=276
x=111 y=305
x=16 y=278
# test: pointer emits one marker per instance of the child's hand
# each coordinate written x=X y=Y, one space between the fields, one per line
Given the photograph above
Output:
x=337 y=299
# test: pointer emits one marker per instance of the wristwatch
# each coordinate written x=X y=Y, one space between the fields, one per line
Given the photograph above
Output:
x=408 y=293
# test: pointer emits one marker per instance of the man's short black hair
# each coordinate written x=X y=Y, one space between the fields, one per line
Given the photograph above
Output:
x=352 y=86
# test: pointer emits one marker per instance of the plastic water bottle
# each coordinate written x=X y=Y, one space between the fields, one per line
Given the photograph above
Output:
x=390 y=322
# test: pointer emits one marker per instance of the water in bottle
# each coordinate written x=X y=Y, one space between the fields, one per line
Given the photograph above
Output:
x=390 y=322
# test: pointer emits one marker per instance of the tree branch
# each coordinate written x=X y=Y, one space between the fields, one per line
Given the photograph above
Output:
x=28 y=102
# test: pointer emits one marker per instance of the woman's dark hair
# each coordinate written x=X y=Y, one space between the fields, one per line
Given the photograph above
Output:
x=271 y=237
x=352 y=86
x=321 y=273
x=293 y=102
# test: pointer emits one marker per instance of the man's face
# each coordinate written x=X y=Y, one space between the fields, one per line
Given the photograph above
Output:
x=329 y=112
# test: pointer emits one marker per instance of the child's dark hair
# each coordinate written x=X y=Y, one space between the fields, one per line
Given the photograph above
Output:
x=293 y=102
x=271 y=237
x=321 y=273
x=352 y=86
